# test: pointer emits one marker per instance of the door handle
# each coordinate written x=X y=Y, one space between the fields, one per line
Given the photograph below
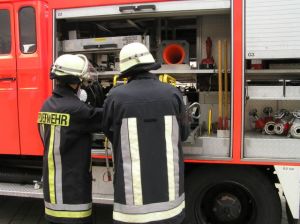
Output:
x=8 y=79
x=100 y=46
x=126 y=8
x=137 y=8
x=145 y=7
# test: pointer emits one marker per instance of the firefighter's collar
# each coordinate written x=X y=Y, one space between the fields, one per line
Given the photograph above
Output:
x=145 y=75
x=64 y=91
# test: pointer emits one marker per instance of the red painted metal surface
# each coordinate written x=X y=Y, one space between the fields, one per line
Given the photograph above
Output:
x=238 y=79
x=9 y=124
x=88 y=3
x=32 y=72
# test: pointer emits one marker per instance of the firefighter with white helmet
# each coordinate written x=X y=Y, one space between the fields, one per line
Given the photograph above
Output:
x=145 y=120
x=134 y=56
x=65 y=124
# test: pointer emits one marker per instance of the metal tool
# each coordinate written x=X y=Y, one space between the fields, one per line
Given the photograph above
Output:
x=283 y=120
x=268 y=112
x=265 y=124
x=269 y=128
x=295 y=128
x=190 y=110
x=259 y=122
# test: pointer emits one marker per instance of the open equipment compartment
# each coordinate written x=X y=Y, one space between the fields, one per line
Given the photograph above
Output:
x=176 y=35
x=272 y=87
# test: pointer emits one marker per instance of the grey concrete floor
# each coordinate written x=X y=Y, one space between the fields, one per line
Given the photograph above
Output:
x=31 y=211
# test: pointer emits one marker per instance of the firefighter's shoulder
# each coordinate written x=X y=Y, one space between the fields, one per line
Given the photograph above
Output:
x=116 y=90
x=170 y=88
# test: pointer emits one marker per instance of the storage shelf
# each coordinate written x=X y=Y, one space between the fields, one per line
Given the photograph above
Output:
x=270 y=98
x=185 y=71
x=181 y=74
x=273 y=92
x=207 y=147
x=274 y=147
x=95 y=51
x=273 y=71
x=272 y=74
x=166 y=71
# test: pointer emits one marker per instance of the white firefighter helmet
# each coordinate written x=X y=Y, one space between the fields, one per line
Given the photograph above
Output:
x=71 y=68
x=134 y=54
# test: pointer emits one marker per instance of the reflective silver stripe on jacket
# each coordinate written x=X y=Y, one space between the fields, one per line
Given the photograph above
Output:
x=58 y=167
x=171 y=137
x=126 y=162
x=131 y=162
x=136 y=162
x=149 y=208
x=175 y=140
x=68 y=207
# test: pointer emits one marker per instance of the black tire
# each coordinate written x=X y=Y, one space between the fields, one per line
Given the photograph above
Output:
x=289 y=215
x=231 y=195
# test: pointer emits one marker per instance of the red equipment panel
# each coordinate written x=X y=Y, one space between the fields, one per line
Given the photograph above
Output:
x=9 y=125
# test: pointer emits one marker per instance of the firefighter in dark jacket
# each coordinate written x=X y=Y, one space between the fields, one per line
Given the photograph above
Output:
x=145 y=120
x=65 y=124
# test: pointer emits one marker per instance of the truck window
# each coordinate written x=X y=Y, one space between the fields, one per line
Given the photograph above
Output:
x=27 y=30
x=5 y=35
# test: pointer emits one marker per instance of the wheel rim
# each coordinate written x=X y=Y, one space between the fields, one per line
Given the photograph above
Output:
x=225 y=203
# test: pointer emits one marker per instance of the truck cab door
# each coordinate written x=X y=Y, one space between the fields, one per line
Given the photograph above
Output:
x=9 y=122
x=31 y=27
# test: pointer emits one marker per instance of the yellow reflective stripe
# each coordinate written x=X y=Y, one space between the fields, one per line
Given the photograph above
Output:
x=51 y=174
x=136 y=163
x=68 y=214
x=58 y=119
x=148 y=217
x=170 y=157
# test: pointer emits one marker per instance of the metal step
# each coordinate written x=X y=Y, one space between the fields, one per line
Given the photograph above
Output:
x=28 y=191
x=20 y=190
x=103 y=199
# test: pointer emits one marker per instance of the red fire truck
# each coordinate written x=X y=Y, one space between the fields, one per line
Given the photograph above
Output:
x=237 y=60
